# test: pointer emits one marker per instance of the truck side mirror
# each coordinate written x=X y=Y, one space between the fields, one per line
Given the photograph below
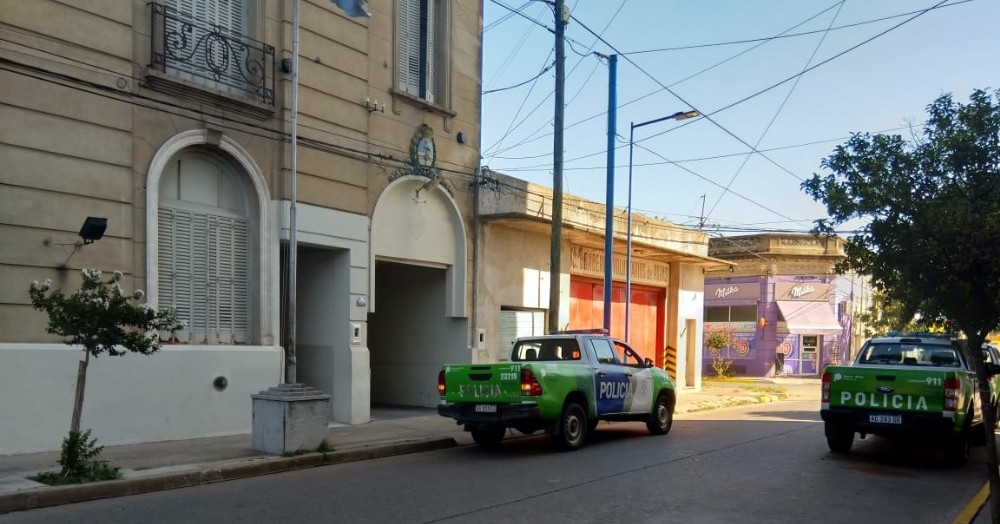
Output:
x=648 y=362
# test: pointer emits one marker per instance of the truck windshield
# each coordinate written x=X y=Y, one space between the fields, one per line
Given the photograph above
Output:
x=895 y=353
x=545 y=350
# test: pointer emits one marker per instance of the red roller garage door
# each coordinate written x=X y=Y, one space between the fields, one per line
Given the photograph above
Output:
x=586 y=311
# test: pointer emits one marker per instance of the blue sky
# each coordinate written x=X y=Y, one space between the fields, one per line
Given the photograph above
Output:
x=882 y=85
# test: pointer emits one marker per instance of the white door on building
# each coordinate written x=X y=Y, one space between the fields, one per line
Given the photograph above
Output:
x=518 y=323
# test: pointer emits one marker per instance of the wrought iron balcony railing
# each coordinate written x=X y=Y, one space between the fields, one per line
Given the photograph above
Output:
x=211 y=55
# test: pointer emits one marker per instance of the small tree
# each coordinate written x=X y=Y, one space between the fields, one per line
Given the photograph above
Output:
x=931 y=239
x=716 y=340
x=101 y=318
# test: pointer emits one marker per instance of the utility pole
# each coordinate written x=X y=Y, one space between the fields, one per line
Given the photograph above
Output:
x=293 y=247
x=555 y=266
x=609 y=200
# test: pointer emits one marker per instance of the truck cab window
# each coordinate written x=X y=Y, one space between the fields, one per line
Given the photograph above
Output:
x=603 y=350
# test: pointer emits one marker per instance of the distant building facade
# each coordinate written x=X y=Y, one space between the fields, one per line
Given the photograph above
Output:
x=781 y=302
x=667 y=276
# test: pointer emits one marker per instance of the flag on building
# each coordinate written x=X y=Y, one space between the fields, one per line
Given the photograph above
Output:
x=353 y=8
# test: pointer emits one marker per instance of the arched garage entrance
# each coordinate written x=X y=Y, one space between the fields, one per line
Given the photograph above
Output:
x=416 y=316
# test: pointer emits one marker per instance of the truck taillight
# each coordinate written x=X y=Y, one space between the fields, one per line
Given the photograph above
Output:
x=826 y=390
x=529 y=384
x=951 y=392
x=441 y=389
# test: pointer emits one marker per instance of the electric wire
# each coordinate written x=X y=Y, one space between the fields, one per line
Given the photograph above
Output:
x=767 y=128
x=790 y=35
x=487 y=152
x=660 y=90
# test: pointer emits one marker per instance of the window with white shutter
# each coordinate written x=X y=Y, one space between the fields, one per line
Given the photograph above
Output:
x=421 y=54
x=204 y=250
x=211 y=53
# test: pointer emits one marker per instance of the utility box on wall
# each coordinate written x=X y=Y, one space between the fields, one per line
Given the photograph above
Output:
x=290 y=417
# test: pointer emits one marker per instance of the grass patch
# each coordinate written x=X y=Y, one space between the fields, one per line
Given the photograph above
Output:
x=324 y=447
x=93 y=472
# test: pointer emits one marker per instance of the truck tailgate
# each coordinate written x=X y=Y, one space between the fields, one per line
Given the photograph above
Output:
x=888 y=388
x=483 y=383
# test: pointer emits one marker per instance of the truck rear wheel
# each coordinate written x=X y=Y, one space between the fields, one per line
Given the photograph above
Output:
x=573 y=426
x=838 y=439
x=488 y=436
x=956 y=451
x=662 y=417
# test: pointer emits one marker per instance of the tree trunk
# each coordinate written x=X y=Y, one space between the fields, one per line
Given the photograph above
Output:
x=81 y=385
x=989 y=417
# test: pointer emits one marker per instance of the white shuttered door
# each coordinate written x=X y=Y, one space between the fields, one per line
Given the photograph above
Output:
x=204 y=251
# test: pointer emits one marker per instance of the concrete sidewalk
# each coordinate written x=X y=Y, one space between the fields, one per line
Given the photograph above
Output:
x=393 y=431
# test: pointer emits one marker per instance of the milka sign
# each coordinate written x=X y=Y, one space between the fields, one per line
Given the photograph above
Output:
x=725 y=291
x=801 y=291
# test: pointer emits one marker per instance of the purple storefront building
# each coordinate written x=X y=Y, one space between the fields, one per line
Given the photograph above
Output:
x=781 y=321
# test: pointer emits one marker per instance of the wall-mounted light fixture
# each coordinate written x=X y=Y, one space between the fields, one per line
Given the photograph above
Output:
x=373 y=105
x=93 y=229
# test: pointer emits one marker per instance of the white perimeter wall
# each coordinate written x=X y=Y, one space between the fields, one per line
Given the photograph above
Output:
x=690 y=304
x=133 y=398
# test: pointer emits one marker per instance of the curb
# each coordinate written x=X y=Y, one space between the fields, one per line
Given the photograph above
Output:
x=974 y=506
x=57 y=495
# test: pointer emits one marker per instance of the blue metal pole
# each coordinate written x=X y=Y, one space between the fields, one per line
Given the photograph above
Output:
x=628 y=234
x=609 y=222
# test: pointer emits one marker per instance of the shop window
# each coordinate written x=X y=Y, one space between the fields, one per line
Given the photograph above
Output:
x=731 y=314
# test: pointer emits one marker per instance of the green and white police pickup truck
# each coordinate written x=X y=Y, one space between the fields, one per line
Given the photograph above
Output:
x=916 y=388
x=562 y=384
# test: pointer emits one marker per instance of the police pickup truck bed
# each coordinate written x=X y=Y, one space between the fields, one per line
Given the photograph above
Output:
x=914 y=388
x=562 y=384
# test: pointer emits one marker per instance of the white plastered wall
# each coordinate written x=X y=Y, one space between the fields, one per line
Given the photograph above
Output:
x=331 y=329
x=690 y=305
x=168 y=395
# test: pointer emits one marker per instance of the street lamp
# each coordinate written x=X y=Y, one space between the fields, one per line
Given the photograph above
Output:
x=680 y=115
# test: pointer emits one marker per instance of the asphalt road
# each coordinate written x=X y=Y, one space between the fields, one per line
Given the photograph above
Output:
x=765 y=463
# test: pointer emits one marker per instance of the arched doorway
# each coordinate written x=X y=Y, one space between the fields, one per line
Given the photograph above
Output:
x=417 y=319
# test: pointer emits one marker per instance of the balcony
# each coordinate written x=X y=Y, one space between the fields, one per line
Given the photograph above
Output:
x=228 y=67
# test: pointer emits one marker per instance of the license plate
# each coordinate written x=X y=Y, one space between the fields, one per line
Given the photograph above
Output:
x=885 y=419
x=486 y=408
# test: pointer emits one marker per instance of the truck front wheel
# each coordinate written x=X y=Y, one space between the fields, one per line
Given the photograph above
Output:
x=662 y=417
x=488 y=436
x=573 y=425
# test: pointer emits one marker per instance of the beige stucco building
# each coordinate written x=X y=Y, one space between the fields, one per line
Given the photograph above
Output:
x=171 y=120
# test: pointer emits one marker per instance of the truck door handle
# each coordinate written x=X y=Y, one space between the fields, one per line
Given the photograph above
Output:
x=601 y=374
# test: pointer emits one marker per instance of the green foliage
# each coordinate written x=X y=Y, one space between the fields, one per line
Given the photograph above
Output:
x=722 y=367
x=886 y=315
x=716 y=340
x=78 y=459
x=102 y=318
x=931 y=237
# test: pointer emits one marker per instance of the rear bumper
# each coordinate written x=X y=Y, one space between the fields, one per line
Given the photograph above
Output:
x=914 y=424
x=466 y=413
